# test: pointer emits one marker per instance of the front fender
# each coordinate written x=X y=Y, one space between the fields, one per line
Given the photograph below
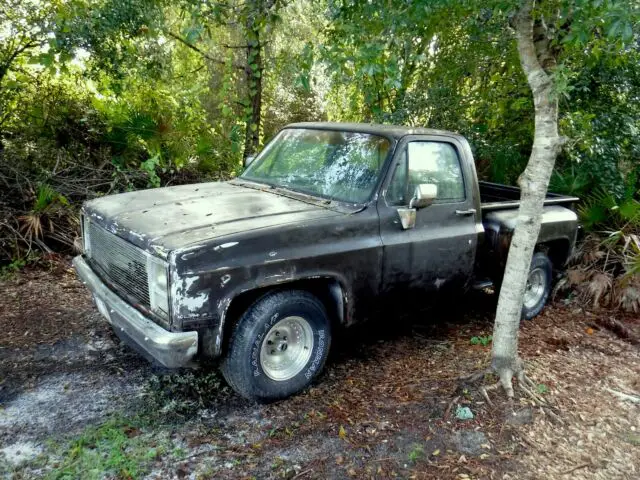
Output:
x=331 y=286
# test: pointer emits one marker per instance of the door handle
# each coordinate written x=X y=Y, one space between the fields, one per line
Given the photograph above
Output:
x=466 y=213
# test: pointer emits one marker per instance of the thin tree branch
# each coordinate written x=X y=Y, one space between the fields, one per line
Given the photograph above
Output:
x=202 y=52
x=4 y=68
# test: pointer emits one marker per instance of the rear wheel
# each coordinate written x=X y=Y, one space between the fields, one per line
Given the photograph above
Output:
x=278 y=347
x=538 y=286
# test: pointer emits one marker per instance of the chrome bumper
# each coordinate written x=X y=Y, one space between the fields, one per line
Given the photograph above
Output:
x=171 y=349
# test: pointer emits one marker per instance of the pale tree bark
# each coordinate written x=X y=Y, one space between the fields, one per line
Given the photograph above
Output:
x=535 y=61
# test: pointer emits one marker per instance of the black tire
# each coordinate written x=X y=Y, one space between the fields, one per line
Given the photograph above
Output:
x=541 y=265
x=242 y=366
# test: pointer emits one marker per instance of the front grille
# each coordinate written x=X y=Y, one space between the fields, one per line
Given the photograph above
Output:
x=123 y=264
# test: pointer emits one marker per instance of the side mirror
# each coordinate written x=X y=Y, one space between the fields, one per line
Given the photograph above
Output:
x=424 y=195
x=248 y=160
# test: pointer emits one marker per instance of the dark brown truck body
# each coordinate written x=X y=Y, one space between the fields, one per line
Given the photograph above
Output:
x=225 y=244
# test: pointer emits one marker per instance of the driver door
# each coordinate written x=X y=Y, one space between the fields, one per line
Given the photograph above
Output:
x=438 y=253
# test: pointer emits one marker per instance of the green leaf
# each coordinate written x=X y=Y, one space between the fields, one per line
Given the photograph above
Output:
x=192 y=34
x=627 y=34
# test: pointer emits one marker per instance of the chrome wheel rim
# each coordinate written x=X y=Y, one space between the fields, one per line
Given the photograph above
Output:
x=536 y=286
x=286 y=348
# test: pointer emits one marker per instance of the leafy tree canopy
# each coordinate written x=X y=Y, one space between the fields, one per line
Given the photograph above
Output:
x=130 y=94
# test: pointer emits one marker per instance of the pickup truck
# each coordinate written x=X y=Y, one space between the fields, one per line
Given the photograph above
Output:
x=326 y=226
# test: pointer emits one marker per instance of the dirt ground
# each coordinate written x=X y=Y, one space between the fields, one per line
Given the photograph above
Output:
x=75 y=403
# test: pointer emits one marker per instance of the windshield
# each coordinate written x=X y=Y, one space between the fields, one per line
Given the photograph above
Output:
x=339 y=165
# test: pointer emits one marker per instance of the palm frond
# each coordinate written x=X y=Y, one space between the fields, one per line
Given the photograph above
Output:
x=628 y=294
x=31 y=226
x=599 y=289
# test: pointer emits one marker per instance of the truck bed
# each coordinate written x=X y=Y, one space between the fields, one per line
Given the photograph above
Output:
x=494 y=196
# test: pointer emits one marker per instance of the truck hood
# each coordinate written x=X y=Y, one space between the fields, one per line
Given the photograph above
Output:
x=164 y=219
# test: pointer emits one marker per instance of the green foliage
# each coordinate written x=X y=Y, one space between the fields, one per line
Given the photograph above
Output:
x=483 y=340
x=416 y=453
x=7 y=271
x=572 y=181
x=47 y=198
x=183 y=394
x=103 y=96
x=149 y=166
x=117 y=448
x=602 y=211
x=541 y=388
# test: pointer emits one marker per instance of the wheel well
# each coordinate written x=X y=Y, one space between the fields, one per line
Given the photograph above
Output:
x=328 y=290
x=557 y=251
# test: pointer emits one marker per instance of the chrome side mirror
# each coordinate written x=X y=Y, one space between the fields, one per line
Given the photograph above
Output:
x=247 y=161
x=407 y=217
x=424 y=195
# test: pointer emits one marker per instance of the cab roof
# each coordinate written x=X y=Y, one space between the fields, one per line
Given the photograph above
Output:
x=395 y=131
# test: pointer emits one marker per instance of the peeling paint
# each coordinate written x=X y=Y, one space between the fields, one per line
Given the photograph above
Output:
x=159 y=250
x=139 y=236
x=188 y=283
x=195 y=303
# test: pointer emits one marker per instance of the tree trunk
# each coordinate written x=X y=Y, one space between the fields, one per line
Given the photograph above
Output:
x=253 y=75
x=533 y=183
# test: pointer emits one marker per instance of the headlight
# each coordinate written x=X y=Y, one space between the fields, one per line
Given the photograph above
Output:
x=158 y=286
x=86 y=243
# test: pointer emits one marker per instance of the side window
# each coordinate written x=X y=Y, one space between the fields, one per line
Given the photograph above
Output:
x=437 y=163
x=397 y=191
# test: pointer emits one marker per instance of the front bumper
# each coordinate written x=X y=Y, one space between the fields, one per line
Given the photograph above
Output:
x=171 y=349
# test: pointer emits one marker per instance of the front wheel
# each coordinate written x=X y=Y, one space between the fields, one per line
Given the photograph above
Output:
x=278 y=347
x=538 y=286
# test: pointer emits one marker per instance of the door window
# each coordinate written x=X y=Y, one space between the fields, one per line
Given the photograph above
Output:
x=427 y=162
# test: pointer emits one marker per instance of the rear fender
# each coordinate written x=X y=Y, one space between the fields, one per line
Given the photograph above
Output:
x=558 y=226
